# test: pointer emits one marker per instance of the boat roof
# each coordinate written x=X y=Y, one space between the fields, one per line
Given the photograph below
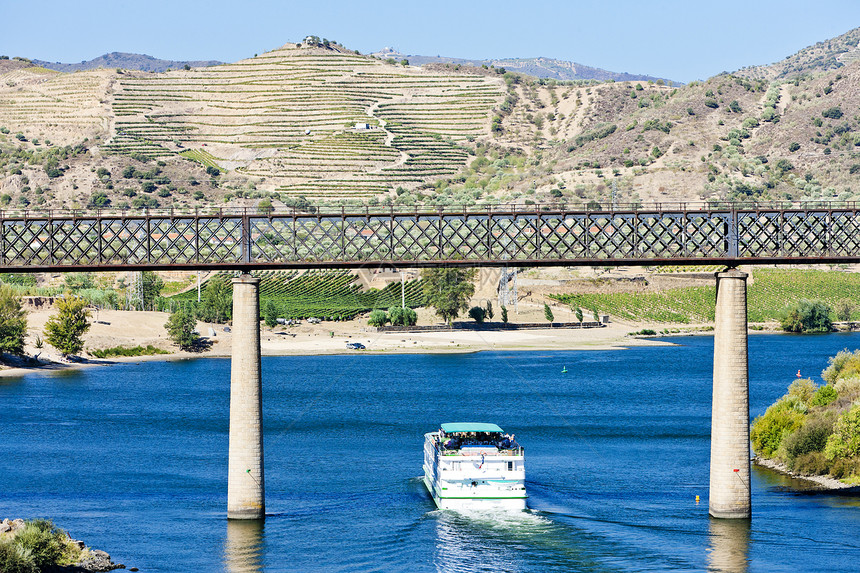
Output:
x=452 y=427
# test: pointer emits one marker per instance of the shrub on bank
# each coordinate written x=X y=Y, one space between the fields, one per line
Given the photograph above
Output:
x=816 y=430
x=37 y=546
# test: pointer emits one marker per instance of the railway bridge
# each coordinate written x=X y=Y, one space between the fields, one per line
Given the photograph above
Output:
x=246 y=240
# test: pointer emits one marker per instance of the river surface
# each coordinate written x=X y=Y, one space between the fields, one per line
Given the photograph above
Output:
x=133 y=459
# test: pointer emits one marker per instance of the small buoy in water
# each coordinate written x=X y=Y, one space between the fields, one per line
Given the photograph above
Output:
x=798 y=374
x=697 y=499
x=564 y=369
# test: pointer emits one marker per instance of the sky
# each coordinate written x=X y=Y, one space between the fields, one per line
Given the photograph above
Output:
x=681 y=40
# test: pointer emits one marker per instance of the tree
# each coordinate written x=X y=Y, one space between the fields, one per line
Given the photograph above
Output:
x=152 y=285
x=807 y=316
x=595 y=314
x=216 y=302
x=377 y=318
x=448 y=290
x=64 y=329
x=265 y=206
x=270 y=313
x=180 y=328
x=579 y=315
x=13 y=322
x=99 y=199
x=547 y=313
x=477 y=314
x=489 y=309
x=504 y=314
x=844 y=309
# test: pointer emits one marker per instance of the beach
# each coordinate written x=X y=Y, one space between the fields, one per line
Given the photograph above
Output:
x=111 y=328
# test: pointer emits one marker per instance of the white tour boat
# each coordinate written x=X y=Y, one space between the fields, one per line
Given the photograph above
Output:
x=474 y=466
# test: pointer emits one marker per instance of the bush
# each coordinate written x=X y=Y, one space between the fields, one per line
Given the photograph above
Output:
x=377 y=318
x=793 y=146
x=780 y=420
x=844 y=309
x=400 y=316
x=832 y=113
x=148 y=350
x=824 y=396
x=43 y=541
x=478 y=314
x=15 y=559
x=844 y=468
x=844 y=442
x=813 y=463
x=844 y=365
x=810 y=437
x=13 y=322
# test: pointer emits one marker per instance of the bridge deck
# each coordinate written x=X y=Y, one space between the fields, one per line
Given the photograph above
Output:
x=248 y=239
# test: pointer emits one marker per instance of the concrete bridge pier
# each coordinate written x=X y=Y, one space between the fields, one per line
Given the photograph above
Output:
x=245 y=484
x=729 y=495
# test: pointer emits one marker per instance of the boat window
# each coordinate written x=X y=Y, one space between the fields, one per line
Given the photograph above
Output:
x=510 y=466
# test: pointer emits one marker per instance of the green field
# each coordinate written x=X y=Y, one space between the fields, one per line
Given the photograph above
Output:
x=329 y=295
x=769 y=291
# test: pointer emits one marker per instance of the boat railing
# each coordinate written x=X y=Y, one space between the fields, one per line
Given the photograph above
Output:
x=513 y=451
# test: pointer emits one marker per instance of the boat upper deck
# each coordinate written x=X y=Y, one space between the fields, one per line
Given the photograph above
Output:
x=486 y=441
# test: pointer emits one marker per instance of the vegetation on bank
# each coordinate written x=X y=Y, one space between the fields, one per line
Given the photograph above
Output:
x=38 y=546
x=771 y=295
x=148 y=350
x=815 y=430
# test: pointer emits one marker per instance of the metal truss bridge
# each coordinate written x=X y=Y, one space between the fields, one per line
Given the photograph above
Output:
x=246 y=239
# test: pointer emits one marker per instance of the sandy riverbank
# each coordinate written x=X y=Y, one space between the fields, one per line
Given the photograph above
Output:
x=121 y=328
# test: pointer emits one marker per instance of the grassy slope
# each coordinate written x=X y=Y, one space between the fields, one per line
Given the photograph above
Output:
x=768 y=294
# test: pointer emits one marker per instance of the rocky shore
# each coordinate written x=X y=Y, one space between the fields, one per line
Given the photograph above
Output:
x=86 y=560
x=826 y=482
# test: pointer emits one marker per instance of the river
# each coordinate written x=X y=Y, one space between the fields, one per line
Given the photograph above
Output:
x=133 y=459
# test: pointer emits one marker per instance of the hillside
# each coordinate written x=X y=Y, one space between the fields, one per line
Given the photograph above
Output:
x=319 y=123
x=122 y=60
x=828 y=55
x=547 y=68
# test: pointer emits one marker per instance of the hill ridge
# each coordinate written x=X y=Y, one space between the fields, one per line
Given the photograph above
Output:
x=540 y=67
x=128 y=61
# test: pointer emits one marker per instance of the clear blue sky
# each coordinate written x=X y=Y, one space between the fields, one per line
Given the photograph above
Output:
x=682 y=40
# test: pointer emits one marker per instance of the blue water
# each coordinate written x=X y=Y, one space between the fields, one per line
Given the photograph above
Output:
x=133 y=459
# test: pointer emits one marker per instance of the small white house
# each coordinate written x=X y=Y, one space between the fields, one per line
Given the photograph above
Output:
x=362 y=126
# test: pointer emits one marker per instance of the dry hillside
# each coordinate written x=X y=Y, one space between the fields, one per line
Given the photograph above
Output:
x=321 y=123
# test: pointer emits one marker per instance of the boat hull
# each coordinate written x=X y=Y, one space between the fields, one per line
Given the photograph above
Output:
x=476 y=502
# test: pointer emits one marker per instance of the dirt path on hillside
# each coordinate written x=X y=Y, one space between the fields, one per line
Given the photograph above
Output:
x=389 y=138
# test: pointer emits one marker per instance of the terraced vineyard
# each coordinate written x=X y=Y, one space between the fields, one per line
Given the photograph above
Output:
x=769 y=293
x=290 y=116
x=66 y=107
x=330 y=295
